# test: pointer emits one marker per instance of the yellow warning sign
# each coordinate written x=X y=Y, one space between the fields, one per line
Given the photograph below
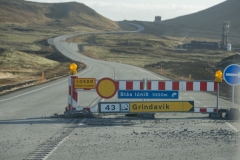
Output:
x=172 y=106
x=85 y=83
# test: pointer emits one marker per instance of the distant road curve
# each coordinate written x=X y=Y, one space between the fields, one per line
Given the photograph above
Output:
x=139 y=29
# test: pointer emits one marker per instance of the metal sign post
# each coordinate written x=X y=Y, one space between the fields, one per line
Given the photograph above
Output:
x=233 y=96
x=72 y=80
x=217 y=95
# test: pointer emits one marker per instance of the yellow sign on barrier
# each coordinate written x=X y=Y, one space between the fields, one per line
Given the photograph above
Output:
x=164 y=106
x=85 y=83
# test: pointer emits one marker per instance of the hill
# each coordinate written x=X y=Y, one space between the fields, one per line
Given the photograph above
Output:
x=24 y=30
x=206 y=24
x=211 y=19
x=52 y=14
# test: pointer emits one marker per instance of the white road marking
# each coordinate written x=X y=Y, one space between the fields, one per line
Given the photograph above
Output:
x=232 y=127
x=55 y=148
x=115 y=69
x=42 y=87
x=59 y=144
x=81 y=123
x=150 y=74
x=198 y=102
x=191 y=97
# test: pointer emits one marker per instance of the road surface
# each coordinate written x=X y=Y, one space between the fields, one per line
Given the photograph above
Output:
x=32 y=129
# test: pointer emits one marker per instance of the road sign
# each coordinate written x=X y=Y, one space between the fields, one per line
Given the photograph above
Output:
x=146 y=107
x=148 y=94
x=125 y=107
x=106 y=88
x=232 y=74
x=110 y=107
x=174 y=106
x=85 y=83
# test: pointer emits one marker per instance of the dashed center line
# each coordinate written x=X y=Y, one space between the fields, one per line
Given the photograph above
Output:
x=198 y=102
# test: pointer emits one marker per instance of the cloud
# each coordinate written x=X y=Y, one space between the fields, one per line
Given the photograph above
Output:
x=142 y=11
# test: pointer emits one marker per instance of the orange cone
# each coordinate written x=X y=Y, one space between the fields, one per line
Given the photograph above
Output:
x=43 y=78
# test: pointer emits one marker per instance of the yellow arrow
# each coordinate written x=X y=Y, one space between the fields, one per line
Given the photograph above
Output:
x=174 y=106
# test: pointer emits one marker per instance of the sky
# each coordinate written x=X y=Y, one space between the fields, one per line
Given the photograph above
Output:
x=143 y=10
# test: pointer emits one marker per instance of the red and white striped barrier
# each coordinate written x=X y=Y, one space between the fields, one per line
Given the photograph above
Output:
x=121 y=85
x=72 y=94
x=151 y=85
x=205 y=110
x=182 y=85
x=129 y=85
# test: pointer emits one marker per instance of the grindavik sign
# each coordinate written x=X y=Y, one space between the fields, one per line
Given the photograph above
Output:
x=164 y=106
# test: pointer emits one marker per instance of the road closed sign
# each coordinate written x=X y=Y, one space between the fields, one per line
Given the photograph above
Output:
x=85 y=83
x=106 y=88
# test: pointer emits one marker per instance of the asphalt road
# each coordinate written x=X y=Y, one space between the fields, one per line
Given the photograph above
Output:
x=32 y=129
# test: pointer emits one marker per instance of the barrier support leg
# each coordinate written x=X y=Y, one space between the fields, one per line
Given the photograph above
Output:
x=218 y=114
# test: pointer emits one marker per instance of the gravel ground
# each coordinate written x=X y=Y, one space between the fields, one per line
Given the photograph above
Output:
x=169 y=136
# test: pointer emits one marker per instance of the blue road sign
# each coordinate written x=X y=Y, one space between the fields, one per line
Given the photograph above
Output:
x=147 y=94
x=231 y=74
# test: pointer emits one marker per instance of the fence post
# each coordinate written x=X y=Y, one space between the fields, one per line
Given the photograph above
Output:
x=71 y=95
x=144 y=86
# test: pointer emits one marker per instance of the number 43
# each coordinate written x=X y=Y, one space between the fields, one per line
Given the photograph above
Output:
x=110 y=108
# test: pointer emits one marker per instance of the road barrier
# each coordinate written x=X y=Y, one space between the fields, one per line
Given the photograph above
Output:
x=205 y=101
x=190 y=96
x=183 y=85
x=129 y=85
x=78 y=99
x=72 y=93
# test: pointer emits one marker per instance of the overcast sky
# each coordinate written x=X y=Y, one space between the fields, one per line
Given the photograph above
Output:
x=143 y=10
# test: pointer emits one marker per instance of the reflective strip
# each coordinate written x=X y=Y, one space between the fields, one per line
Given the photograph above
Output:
x=130 y=85
x=122 y=85
x=136 y=85
x=196 y=86
x=205 y=110
x=168 y=85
